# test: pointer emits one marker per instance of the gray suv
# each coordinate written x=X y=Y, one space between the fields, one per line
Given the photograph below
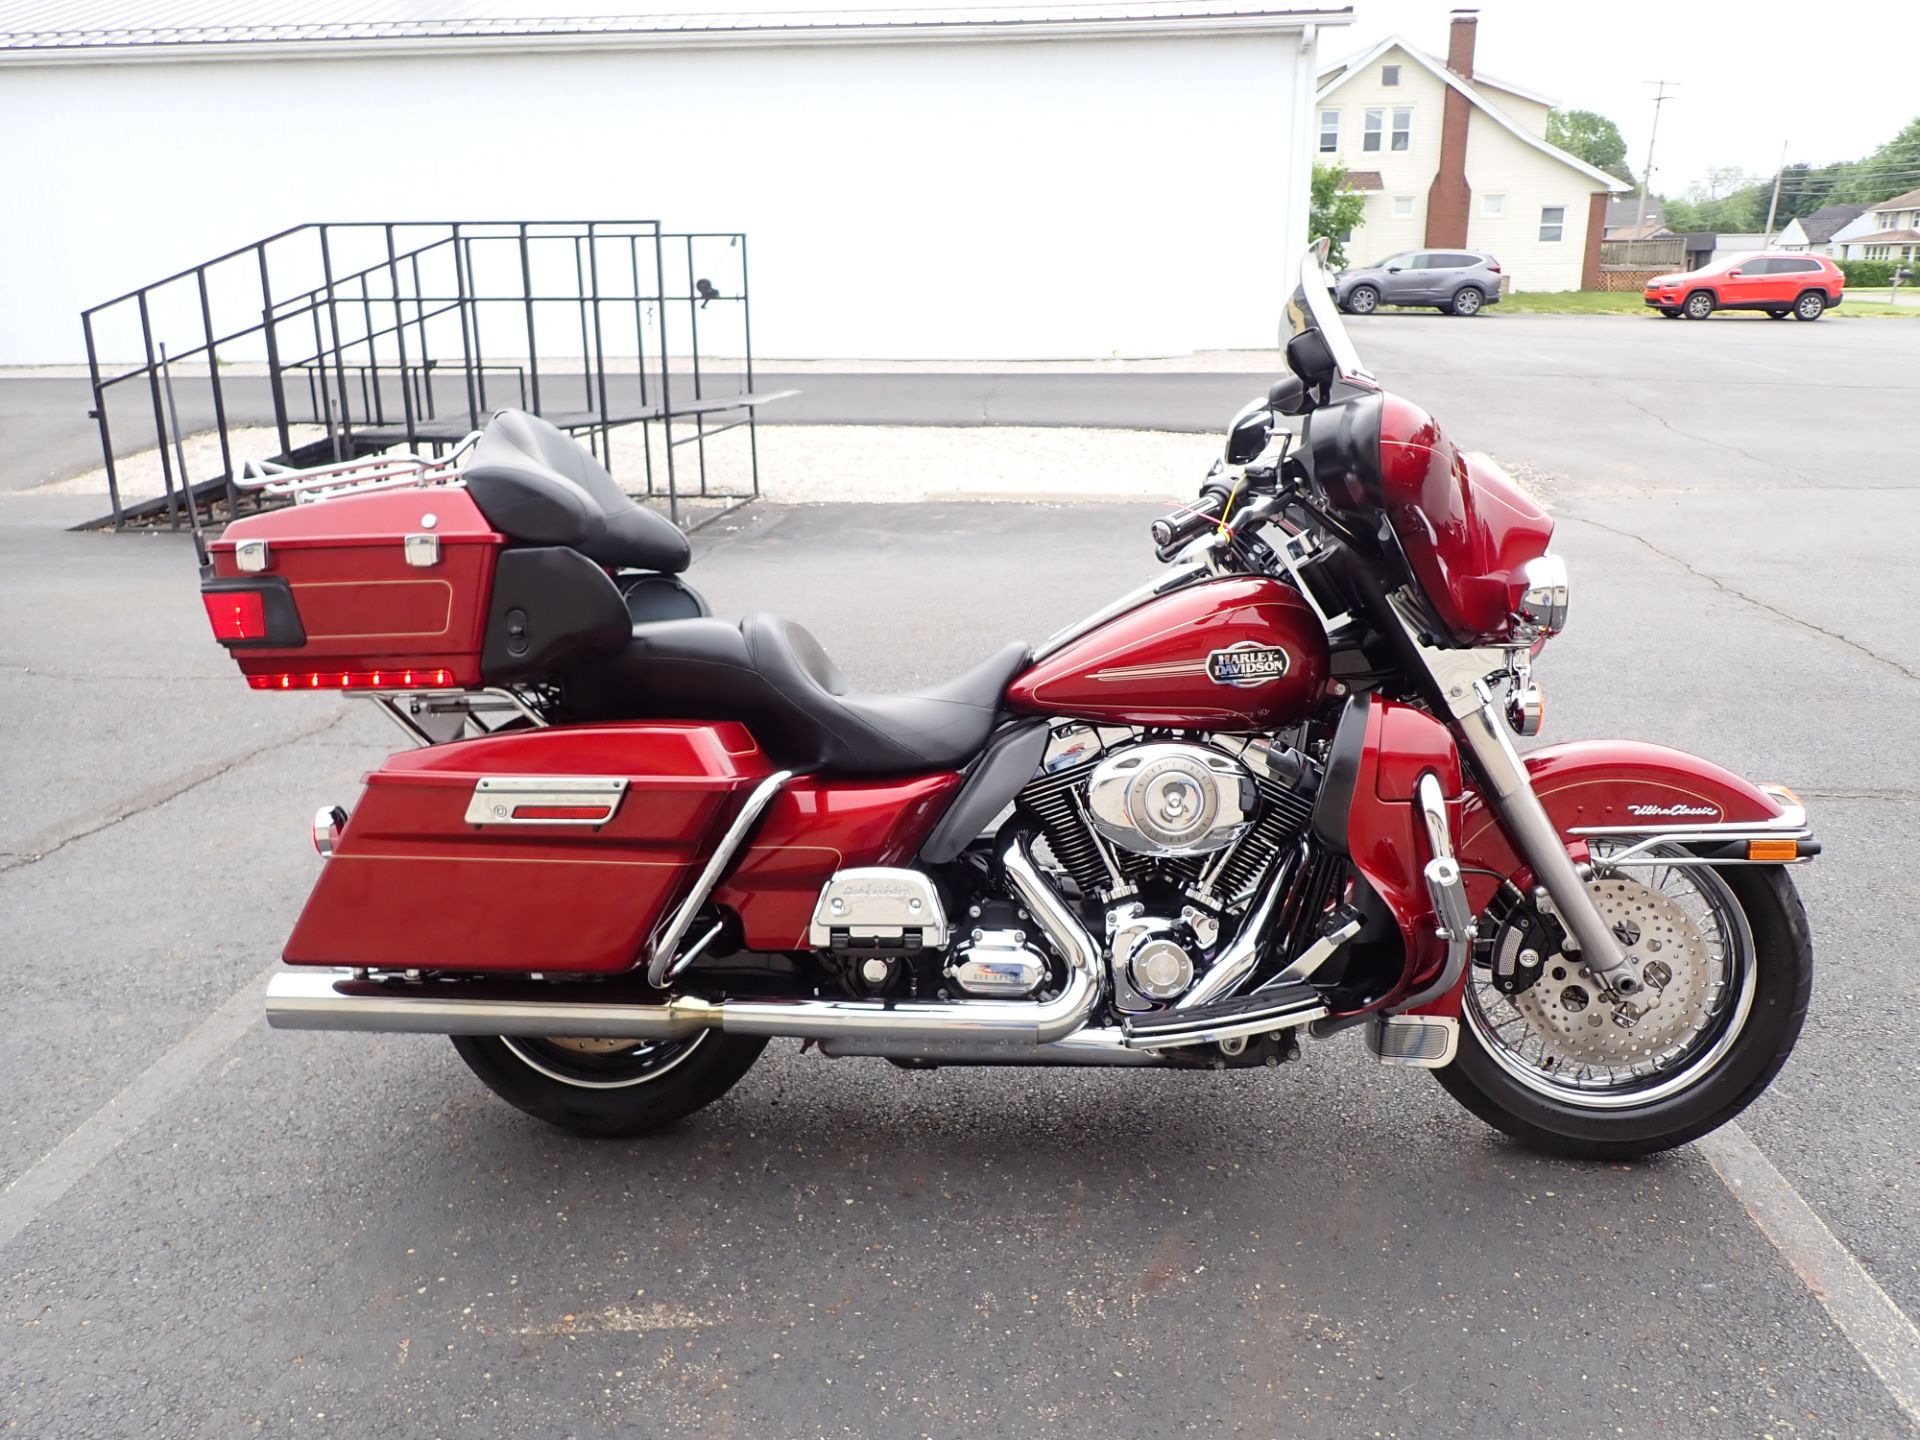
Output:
x=1454 y=282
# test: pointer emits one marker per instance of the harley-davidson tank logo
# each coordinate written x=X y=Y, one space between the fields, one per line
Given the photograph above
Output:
x=1672 y=811
x=1247 y=665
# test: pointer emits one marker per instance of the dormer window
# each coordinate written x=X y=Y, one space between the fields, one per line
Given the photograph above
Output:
x=1389 y=74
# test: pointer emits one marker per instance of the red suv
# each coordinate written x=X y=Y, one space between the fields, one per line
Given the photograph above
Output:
x=1799 y=285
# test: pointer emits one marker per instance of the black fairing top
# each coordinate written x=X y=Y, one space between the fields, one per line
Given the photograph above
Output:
x=536 y=484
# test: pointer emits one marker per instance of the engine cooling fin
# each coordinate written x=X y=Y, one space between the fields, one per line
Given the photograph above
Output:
x=1284 y=813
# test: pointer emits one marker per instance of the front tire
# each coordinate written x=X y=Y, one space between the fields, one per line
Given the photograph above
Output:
x=1363 y=300
x=1699 y=305
x=609 y=1089
x=1761 y=1022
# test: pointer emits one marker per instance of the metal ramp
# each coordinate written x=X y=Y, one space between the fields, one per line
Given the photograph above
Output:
x=353 y=339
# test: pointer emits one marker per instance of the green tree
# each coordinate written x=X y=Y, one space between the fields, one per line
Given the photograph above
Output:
x=1891 y=170
x=1590 y=137
x=1336 y=209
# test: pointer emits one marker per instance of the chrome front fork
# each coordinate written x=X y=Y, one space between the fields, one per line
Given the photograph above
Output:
x=1509 y=790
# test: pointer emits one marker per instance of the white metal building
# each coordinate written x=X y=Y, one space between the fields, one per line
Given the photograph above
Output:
x=1051 y=181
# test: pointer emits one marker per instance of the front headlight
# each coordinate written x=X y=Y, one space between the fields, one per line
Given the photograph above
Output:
x=1544 y=604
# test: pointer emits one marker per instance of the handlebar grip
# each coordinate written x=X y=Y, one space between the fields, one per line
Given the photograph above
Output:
x=1184 y=524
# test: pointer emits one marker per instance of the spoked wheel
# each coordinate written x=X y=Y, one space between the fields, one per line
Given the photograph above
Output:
x=1363 y=300
x=1810 y=306
x=1725 y=966
x=602 y=1087
x=1468 y=301
x=1698 y=306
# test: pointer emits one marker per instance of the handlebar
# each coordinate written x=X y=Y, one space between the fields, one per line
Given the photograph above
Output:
x=1175 y=529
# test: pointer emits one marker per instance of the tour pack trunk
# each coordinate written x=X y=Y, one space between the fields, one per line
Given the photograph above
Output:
x=386 y=590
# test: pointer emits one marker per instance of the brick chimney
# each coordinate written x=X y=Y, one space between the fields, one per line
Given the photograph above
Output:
x=1449 y=199
x=1460 y=43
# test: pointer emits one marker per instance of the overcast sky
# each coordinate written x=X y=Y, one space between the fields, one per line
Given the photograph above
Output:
x=1828 y=82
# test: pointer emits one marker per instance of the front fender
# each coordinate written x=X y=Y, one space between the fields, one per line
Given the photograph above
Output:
x=1631 y=790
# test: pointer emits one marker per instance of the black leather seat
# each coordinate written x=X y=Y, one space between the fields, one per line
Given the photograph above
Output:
x=536 y=484
x=773 y=676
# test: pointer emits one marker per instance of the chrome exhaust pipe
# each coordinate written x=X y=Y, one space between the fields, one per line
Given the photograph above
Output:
x=323 y=1000
x=1092 y=1045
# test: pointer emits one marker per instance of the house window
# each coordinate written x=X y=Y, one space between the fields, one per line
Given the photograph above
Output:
x=1879 y=252
x=1553 y=221
x=1491 y=205
x=1402 y=206
x=1389 y=74
x=1329 y=131
x=1376 y=122
x=1402 y=128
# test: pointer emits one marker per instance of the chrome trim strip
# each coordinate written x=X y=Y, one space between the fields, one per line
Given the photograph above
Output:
x=1420 y=1028
x=1264 y=1022
x=496 y=798
x=1453 y=916
x=668 y=941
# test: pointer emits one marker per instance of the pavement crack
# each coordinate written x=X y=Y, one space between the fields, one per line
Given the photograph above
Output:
x=1767 y=461
x=1751 y=599
x=153 y=800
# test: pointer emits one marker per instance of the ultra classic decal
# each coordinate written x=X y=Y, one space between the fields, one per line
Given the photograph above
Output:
x=1247 y=665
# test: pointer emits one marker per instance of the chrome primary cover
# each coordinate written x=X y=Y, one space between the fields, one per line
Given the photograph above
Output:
x=1171 y=799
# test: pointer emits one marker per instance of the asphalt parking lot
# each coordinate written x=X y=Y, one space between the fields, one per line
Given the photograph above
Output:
x=213 y=1230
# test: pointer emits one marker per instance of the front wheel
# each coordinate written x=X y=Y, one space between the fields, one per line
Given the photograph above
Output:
x=1728 y=961
x=1699 y=305
x=1363 y=300
x=609 y=1088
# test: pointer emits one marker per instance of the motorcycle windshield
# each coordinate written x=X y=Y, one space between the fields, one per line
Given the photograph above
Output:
x=1312 y=307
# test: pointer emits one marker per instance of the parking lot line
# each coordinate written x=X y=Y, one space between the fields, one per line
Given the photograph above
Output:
x=1879 y=1330
x=45 y=1181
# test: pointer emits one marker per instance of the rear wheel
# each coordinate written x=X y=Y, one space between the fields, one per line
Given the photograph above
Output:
x=609 y=1088
x=1698 y=305
x=1468 y=301
x=1810 y=306
x=1363 y=300
x=1726 y=956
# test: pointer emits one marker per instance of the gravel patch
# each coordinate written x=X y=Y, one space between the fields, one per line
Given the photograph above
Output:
x=808 y=464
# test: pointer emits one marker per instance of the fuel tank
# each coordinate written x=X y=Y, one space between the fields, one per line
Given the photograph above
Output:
x=1240 y=653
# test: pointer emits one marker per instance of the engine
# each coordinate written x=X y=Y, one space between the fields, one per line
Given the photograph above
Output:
x=1173 y=838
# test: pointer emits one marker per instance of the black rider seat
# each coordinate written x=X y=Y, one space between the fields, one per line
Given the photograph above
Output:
x=770 y=674
x=536 y=484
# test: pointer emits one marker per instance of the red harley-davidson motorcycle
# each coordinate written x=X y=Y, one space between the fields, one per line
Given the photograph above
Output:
x=1272 y=793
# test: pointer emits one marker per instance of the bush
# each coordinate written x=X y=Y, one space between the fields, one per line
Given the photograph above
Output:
x=1872 y=273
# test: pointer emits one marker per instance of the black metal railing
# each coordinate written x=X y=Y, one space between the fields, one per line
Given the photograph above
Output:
x=390 y=334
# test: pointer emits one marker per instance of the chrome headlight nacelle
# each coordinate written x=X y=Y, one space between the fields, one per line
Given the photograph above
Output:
x=1544 y=605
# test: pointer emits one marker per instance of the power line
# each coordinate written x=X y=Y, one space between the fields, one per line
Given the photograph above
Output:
x=1646 y=177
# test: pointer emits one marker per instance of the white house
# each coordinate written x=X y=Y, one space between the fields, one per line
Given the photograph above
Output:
x=1889 y=230
x=966 y=182
x=1449 y=157
x=1815 y=232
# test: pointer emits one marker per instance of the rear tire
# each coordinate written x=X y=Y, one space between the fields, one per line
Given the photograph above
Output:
x=616 y=1094
x=1782 y=957
x=1698 y=306
x=1363 y=300
x=1467 y=301
x=1810 y=306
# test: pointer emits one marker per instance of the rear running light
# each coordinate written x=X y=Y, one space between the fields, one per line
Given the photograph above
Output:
x=562 y=812
x=1494 y=266
x=353 y=680
x=236 y=614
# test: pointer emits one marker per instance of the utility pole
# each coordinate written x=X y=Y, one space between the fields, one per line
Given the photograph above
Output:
x=1773 y=205
x=1646 y=180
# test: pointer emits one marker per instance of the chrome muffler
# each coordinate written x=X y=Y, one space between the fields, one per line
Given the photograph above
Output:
x=329 y=1000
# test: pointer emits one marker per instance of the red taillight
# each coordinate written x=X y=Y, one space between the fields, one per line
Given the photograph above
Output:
x=353 y=680
x=1494 y=266
x=236 y=614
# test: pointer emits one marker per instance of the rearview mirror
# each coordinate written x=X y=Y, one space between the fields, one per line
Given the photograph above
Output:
x=1733 y=274
x=1249 y=433
x=1393 y=269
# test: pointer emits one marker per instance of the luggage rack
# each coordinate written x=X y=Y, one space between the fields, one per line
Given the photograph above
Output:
x=308 y=485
